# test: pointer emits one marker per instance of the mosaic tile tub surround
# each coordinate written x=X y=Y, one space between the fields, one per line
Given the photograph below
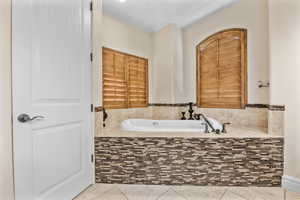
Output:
x=189 y=161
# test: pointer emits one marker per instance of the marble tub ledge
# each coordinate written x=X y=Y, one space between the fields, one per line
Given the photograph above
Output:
x=232 y=132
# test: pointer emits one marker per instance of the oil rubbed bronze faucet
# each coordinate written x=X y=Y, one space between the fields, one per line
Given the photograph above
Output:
x=209 y=124
x=105 y=116
x=183 y=116
x=224 y=127
x=191 y=111
x=197 y=116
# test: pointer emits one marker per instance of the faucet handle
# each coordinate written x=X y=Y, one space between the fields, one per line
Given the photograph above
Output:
x=197 y=116
x=224 y=127
x=183 y=116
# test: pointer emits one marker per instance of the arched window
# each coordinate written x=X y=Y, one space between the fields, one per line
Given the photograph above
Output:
x=222 y=70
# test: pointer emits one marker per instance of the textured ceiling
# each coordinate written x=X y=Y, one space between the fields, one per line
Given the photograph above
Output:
x=152 y=15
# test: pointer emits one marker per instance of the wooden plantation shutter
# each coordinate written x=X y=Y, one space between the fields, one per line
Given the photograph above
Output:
x=222 y=70
x=137 y=82
x=114 y=80
x=125 y=80
x=209 y=85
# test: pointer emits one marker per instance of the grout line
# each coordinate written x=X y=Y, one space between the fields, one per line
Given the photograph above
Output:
x=163 y=194
x=78 y=197
x=122 y=192
x=238 y=194
x=110 y=189
x=223 y=194
x=183 y=196
x=97 y=194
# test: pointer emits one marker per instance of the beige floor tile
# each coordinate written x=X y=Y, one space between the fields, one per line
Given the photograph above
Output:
x=269 y=193
x=232 y=196
x=258 y=198
x=245 y=192
x=292 y=195
x=143 y=192
x=94 y=191
x=255 y=193
x=200 y=193
x=171 y=195
x=113 y=194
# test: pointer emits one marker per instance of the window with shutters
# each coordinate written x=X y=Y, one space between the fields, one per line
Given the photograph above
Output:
x=125 y=80
x=222 y=70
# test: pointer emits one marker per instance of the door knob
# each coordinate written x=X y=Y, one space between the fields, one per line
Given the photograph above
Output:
x=23 y=118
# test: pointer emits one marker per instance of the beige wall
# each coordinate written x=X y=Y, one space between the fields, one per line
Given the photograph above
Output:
x=285 y=74
x=250 y=14
x=6 y=170
x=167 y=69
x=123 y=37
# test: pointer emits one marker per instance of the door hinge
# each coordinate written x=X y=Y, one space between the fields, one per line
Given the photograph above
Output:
x=91 y=57
x=92 y=158
x=91 y=6
x=92 y=107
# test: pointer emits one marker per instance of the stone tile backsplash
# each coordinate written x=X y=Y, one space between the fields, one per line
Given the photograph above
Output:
x=166 y=113
x=253 y=117
x=116 y=116
x=256 y=117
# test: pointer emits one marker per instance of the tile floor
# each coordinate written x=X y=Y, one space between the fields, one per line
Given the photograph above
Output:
x=143 y=192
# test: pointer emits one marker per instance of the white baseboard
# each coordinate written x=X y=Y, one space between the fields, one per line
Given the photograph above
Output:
x=291 y=183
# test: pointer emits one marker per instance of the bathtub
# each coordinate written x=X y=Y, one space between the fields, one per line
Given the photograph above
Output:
x=145 y=125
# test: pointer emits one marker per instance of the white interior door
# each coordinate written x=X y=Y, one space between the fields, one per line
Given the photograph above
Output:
x=51 y=78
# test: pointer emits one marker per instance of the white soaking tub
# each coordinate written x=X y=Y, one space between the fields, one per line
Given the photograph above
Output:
x=145 y=125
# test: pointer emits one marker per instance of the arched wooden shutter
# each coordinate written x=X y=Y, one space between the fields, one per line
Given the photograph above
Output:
x=222 y=70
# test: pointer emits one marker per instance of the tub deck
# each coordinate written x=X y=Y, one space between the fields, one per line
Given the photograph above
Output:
x=232 y=132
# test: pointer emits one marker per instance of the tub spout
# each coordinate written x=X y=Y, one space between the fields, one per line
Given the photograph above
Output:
x=206 y=127
x=208 y=123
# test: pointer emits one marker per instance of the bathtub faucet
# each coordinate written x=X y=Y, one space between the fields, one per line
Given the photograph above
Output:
x=105 y=116
x=207 y=122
